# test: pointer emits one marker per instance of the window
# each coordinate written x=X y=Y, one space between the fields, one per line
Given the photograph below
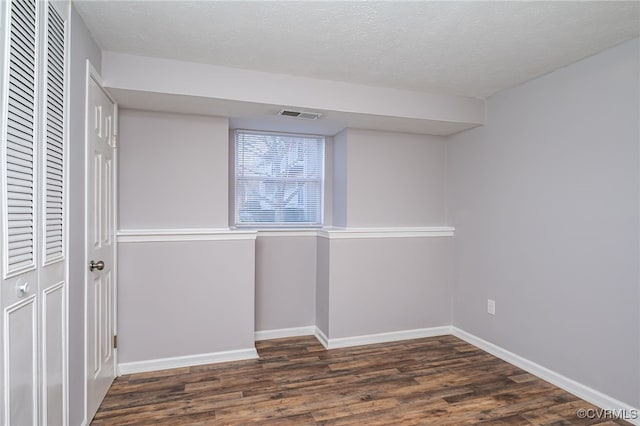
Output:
x=278 y=179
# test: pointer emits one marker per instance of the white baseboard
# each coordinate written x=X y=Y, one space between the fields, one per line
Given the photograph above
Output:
x=285 y=332
x=186 y=361
x=578 y=389
x=322 y=338
x=393 y=336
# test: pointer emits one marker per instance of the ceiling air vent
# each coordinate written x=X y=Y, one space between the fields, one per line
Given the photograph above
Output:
x=303 y=115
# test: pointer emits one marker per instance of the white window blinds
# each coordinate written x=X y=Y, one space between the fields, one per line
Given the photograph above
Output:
x=54 y=146
x=278 y=179
x=20 y=138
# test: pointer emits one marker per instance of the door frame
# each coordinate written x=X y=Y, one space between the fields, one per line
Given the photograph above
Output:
x=92 y=74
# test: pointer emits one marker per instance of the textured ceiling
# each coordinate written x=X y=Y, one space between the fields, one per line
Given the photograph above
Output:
x=459 y=48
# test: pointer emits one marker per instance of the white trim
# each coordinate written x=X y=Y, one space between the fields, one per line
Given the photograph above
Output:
x=578 y=389
x=193 y=234
x=322 y=338
x=225 y=234
x=285 y=332
x=114 y=232
x=67 y=203
x=186 y=361
x=398 y=232
x=66 y=13
x=393 y=336
x=287 y=233
x=90 y=72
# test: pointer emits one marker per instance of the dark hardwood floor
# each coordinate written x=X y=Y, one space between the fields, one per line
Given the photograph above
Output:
x=431 y=381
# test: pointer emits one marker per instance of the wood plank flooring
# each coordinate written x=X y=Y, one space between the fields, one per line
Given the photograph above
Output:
x=431 y=381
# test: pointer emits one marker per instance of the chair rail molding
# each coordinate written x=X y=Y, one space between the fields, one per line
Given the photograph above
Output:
x=395 y=232
x=183 y=234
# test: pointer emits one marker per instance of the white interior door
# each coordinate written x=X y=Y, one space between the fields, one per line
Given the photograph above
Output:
x=100 y=291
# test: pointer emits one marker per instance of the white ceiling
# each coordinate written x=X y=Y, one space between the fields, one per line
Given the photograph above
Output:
x=471 y=49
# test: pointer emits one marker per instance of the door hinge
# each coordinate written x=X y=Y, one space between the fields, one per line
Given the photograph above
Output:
x=115 y=342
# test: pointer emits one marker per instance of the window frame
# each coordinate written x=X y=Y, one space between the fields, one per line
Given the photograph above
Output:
x=235 y=223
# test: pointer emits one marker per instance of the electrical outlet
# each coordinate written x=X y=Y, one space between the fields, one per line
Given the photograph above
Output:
x=491 y=306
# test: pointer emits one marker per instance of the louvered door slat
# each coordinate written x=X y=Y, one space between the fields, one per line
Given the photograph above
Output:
x=20 y=245
x=18 y=156
x=19 y=182
x=22 y=62
x=21 y=228
x=57 y=72
x=55 y=91
x=17 y=237
x=19 y=104
x=19 y=83
x=55 y=168
x=18 y=202
x=20 y=132
x=19 y=124
x=20 y=27
x=56 y=84
x=20 y=108
x=54 y=143
x=16 y=132
x=24 y=171
x=56 y=113
x=22 y=219
x=21 y=261
x=55 y=150
x=19 y=185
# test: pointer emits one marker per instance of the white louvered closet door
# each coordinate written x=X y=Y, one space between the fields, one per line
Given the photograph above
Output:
x=19 y=227
x=52 y=285
x=32 y=269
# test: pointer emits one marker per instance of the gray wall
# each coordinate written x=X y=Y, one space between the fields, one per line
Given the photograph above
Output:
x=544 y=199
x=285 y=282
x=339 y=159
x=185 y=184
x=201 y=299
x=379 y=285
x=382 y=285
x=323 y=269
x=392 y=179
x=173 y=170
x=82 y=47
x=188 y=297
